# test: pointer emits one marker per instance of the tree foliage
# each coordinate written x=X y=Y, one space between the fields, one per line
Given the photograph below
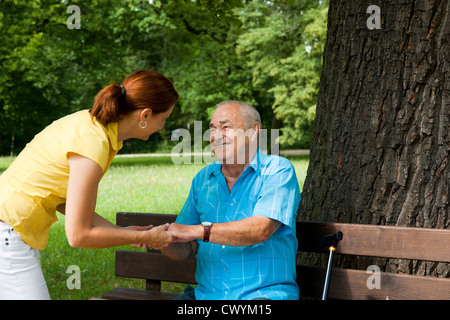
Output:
x=266 y=53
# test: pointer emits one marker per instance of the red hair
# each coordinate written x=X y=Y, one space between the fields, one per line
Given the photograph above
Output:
x=140 y=89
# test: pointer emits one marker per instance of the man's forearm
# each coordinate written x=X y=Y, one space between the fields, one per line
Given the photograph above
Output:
x=180 y=250
x=245 y=232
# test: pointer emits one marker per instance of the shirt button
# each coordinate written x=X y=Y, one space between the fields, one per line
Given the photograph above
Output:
x=226 y=292
x=231 y=204
x=223 y=246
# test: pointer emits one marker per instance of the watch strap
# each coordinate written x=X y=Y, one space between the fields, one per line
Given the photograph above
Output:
x=206 y=233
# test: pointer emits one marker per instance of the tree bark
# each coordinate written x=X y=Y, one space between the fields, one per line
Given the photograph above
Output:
x=381 y=144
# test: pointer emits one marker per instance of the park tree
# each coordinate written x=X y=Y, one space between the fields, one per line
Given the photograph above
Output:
x=282 y=46
x=51 y=68
x=57 y=54
x=380 y=144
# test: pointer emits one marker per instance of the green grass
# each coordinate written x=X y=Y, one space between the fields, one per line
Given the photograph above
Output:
x=5 y=162
x=141 y=184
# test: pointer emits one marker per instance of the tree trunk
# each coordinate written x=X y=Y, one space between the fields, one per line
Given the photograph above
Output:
x=380 y=149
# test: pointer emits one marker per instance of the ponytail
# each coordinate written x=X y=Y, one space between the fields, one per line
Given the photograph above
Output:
x=106 y=105
x=140 y=89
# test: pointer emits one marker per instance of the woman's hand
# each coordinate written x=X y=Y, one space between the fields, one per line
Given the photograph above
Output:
x=139 y=228
x=157 y=237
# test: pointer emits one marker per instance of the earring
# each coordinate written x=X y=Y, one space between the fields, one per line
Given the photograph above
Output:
x=142 y=124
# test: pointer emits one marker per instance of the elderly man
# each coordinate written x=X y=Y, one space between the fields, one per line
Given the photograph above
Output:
x=239 y=218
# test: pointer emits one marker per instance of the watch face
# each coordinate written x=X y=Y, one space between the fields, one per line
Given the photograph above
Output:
x=206 y=224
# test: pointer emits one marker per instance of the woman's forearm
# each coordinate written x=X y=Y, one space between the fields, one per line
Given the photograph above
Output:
x=109 y=235
x=85 y=228
x=99 y=221
x=99 y=236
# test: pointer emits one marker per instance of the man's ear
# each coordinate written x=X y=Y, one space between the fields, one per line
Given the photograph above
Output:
x=256 y=126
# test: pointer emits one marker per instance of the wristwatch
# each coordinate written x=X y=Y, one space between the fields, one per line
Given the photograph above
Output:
x=206 y=230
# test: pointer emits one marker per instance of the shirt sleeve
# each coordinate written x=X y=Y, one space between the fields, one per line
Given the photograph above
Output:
x=90 y=146
x=280 y=195
x=188 y=214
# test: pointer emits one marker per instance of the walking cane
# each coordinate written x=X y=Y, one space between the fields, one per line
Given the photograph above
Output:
x=331 y=241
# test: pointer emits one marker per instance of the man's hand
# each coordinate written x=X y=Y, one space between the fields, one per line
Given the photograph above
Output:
x=185 y=233
x=158 y=237
x=183 y=244
x=153 y=237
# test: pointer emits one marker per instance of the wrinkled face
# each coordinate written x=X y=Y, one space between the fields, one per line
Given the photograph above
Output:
x=229 y=137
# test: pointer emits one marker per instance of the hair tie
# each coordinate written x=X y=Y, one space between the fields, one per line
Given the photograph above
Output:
x=122 y=89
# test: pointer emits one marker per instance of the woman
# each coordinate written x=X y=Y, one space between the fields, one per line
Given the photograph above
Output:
x=60 y=169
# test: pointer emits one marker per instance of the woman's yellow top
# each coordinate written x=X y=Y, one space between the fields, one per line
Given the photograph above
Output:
x=36 y=182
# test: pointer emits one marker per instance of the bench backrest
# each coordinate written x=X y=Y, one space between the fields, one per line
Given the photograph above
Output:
x=153 y=266
x=375 y=241
x=361 y=240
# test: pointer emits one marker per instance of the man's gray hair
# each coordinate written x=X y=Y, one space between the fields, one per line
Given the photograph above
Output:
x=248 y=112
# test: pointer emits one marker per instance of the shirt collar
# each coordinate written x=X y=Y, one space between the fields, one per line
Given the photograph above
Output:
x=112 y=132
x=255 y=164
x=258 y=161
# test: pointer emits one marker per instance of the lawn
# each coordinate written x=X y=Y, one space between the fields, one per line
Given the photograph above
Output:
x=141 y=184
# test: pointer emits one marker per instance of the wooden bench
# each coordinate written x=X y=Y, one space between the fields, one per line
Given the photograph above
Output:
x=347 y=284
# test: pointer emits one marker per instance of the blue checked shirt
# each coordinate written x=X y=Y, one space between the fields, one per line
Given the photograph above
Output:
x=268 y=187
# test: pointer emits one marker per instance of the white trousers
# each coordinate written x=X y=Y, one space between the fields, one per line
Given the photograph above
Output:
x=21 y=275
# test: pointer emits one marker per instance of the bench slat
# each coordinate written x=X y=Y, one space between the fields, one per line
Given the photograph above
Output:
x=154 y=266
x=379 y=241
x=125 y=219
x=347 y=284
x=137 y=294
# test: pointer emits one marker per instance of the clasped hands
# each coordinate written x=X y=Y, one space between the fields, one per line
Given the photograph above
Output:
x=162 y=236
